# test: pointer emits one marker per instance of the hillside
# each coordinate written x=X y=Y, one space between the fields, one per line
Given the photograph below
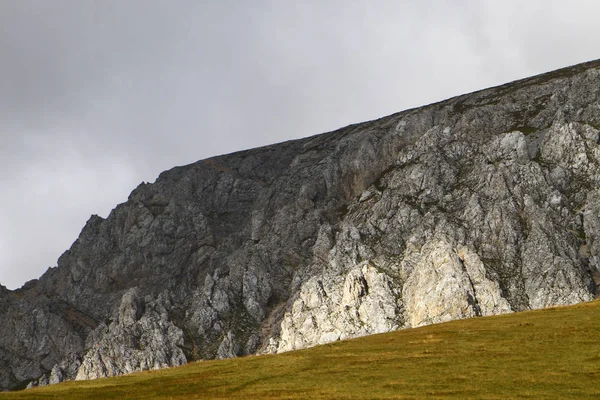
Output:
x=484 y=204
x=546 y=354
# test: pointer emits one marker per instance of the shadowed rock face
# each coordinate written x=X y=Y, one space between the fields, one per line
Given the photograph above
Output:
x=482 y=204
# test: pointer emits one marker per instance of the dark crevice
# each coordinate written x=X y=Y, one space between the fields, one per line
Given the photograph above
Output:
x=471 y=299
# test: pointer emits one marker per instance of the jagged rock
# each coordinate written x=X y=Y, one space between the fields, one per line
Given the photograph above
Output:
x=450 y=284
x=330 y=308
x=228 y=347
x=36 y=334
x=141 y=338
x=482 y=204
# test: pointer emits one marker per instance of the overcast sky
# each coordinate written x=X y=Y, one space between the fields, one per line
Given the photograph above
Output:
x=98 y=96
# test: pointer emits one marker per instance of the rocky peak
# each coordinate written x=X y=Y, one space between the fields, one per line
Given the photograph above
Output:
x=483 y=204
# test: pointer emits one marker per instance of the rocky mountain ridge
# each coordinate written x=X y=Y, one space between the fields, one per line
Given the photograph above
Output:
x=482 y=204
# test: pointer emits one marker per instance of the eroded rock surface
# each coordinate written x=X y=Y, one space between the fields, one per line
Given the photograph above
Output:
x=141 y=337
x=483 y=204
x=330 y=308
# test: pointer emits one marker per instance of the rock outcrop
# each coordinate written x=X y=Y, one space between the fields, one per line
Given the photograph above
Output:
x=483 y=204
x=330 y=308
x=141 y=337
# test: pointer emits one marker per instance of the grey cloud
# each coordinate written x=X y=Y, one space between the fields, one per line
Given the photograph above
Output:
x=98 y=95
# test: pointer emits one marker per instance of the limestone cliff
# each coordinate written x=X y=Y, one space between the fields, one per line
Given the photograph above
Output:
x=483 y=204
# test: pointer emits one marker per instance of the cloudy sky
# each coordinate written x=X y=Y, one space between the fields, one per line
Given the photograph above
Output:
x=98 y=96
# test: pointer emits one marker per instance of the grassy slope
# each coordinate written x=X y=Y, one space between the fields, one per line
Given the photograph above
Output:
x=552 y=353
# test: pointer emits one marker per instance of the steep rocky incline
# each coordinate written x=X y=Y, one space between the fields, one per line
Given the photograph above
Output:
x=483 y=204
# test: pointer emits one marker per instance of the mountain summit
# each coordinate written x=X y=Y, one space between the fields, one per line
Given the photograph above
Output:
x=482 y=204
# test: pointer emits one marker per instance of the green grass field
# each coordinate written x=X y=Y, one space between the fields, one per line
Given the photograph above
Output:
x=546 y=354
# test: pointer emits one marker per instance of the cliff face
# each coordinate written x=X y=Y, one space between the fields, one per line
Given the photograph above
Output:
x=483 y=204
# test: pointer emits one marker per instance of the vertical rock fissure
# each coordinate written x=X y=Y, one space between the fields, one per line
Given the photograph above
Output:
x=471 y=299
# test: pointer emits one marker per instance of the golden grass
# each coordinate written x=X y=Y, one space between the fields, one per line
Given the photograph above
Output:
x=546 y=354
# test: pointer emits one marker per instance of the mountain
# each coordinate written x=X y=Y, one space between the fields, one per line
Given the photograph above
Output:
x=483 y=204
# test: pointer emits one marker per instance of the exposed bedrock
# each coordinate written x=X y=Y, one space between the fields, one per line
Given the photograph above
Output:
x=483 y=204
